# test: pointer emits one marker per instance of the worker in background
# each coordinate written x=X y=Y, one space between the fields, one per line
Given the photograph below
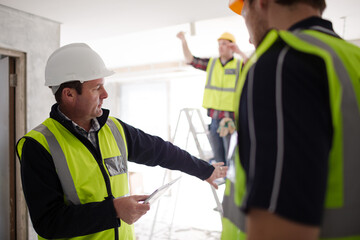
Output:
x=74 y=165
x=222 y=78
x=298 y=120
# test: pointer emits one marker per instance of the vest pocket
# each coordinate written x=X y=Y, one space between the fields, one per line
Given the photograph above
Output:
x=116 y=165
x=230 y=71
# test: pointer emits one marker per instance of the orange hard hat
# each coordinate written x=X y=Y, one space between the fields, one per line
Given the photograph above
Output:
x=236 y=5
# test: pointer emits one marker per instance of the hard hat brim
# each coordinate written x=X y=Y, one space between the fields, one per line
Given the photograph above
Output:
x=236 y=6
x=223 y=38
x=227 y=36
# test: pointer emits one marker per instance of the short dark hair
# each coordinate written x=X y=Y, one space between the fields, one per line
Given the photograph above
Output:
x=77 y=85
x=318 y=4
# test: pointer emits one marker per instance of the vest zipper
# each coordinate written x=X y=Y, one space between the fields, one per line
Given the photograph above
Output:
x=97 y=155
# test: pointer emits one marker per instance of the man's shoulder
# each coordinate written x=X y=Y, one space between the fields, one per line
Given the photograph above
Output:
x=297 y=67
x=280 y=53
x=268 y=60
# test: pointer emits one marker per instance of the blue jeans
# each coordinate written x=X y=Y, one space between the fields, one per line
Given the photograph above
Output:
x=218 y=144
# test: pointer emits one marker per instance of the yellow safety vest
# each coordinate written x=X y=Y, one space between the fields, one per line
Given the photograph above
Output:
x=81 y=178
x=221 y=84
x=341 y=219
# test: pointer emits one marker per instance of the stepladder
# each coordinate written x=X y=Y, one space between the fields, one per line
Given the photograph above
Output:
x=191 y=134
x=191 y=126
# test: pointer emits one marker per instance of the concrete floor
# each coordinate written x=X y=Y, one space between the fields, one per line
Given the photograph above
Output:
x=183 y=214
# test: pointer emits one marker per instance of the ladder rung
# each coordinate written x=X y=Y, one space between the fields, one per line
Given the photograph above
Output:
x=200 y=132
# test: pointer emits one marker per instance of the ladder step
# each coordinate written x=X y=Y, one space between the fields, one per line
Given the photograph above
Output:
x=200 y=132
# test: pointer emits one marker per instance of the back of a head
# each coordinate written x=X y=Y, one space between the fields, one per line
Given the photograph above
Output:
x=237 y=5
x=317 y=4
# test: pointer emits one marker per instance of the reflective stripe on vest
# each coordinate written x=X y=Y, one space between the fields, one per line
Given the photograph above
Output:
x=342 y=205
x=60 y=162
x=119 y=140
x=231 y=211
x=234 y=219
x=85 y=176
x=347 y=217
x=61 y=166
x=233 y=71
x=221 y=83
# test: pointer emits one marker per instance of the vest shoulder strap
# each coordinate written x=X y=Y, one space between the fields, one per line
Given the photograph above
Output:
x=119 y=134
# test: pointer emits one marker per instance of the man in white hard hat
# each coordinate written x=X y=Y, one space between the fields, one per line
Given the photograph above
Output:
x=222 y=77
x=298 y=121
x=74 y=165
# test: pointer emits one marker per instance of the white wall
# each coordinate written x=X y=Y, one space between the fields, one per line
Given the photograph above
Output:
x=38 y=38
x=152 y=101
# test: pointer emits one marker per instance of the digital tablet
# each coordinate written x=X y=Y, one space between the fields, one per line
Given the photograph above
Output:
x=160 y=191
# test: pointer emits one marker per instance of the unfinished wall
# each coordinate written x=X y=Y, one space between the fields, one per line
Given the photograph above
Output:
x=37 y=38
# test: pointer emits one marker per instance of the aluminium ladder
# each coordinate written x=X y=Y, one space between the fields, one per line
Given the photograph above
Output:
x=198 y=130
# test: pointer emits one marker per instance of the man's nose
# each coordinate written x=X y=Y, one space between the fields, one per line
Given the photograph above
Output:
x=104 y=94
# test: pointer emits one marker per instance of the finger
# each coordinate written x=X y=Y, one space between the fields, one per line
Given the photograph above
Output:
x=145 y=207
x=140 y=197
x=224 y=171
x=142 y=208
x=218 y=164
x=214 y=185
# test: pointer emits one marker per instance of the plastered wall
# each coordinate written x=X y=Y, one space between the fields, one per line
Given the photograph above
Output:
x=37 y=38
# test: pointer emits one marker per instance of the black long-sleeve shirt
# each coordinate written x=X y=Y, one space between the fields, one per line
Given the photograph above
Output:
x=52 y=218
x=293 y=187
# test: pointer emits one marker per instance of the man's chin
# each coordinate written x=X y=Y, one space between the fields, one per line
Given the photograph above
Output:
x=99 y=113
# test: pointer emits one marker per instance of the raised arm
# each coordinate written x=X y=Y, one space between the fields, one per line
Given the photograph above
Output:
x=237 y=50
x=187 y=54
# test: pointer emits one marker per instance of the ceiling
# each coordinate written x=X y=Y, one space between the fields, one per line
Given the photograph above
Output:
x=89 y=19
x=84 y=19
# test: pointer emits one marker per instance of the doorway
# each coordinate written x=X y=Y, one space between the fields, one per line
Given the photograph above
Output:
x=13 y=213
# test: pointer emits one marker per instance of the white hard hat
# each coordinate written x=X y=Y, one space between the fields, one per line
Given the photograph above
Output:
x=74 y=62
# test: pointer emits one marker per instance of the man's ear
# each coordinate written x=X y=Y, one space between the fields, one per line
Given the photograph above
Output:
x=263 y=4
x=68 y=95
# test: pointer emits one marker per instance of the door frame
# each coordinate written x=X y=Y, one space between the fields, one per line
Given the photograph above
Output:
x=21 y=215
